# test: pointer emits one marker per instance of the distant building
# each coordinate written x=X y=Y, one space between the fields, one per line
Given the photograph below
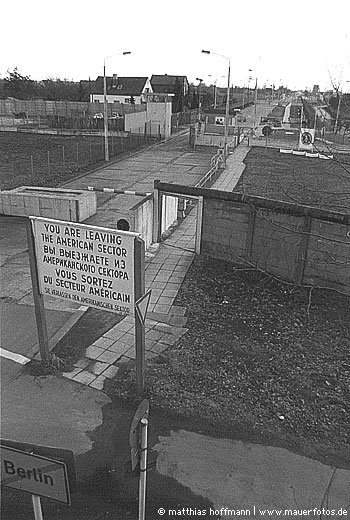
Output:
x=121 y=90
x=177 y=86
x=164 y=84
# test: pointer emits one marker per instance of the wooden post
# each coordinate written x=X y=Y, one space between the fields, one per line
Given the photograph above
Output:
x=38 y=298
x=139 y=290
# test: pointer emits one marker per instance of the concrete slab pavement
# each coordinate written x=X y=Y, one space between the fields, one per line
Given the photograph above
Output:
x=249 y=477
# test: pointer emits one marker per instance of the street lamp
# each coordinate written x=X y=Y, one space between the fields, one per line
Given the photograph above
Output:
x=215 y=89
x=249 y=80
x=227 y=100
x=105 y=108
x=199 y=98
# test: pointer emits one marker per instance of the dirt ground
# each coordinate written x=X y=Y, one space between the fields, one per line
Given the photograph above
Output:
x=262 y=360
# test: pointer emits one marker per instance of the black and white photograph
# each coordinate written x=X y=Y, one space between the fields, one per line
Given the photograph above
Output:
x=175 y=260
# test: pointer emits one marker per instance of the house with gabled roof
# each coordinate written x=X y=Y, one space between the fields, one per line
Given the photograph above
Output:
x=122 y=90
x=165 y=84
x=176 y=86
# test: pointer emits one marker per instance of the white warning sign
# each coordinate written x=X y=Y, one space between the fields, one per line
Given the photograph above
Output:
x=306 y=139
x=90 y=265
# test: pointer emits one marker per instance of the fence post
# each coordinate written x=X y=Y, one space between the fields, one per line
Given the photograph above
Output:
x=48 y=161
x=78 y=153
x=90 y=151
x=63 y=159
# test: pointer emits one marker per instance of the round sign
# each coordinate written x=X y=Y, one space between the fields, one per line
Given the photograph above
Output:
x=306 y=138
x=267 y=130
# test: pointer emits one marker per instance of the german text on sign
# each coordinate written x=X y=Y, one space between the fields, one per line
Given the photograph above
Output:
x=34 y=474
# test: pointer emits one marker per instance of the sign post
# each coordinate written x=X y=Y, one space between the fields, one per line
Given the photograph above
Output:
x=138 y=445
x=38 y=514
x=94 y=266
x=38 y=297
x=139 y=289
x=143 y=469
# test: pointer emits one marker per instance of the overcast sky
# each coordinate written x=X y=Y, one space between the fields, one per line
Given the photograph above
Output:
x=295 y=43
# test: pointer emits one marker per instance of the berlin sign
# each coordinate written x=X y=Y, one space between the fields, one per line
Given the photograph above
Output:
x=90 y=265
x=34 y=474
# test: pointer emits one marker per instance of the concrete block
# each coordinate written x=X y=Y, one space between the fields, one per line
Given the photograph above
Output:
x=56 y=203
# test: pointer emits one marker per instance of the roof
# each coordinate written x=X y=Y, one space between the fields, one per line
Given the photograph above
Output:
x=121 y=86
x=165 y=83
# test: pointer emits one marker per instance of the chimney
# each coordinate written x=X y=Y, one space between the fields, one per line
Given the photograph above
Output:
x=115 y=80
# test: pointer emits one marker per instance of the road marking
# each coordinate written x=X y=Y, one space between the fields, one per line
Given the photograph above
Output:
x=18 y=358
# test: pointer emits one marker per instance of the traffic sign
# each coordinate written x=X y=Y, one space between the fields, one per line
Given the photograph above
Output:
x=40 y=476
x=142 y=305
x=134 y=436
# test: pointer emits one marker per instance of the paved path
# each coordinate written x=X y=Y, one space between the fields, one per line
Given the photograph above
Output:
x=166 y=267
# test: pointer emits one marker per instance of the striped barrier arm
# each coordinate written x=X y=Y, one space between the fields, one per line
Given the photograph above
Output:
x=120 y=192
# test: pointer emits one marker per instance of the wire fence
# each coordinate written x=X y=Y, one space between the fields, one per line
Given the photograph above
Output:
x=30 y=159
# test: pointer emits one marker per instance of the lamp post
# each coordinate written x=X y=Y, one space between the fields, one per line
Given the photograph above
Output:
x=215 y=89
x=199 y=98
x=227 y=100
x=249 y=80
x=105 y=107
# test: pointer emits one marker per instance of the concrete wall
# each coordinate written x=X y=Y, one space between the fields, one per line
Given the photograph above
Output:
x=215 y=140
x=160 y=113
x=299 y=244
x=56 y=203
x=300 y=249
x=169 y=212
x=219 y=129
x=143 y=219
x=135 y=122
x=157 y=117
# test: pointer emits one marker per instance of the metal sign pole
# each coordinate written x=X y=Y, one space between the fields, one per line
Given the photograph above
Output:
x=38 y=514
x=38 y=298
x=139 y=290
x=143 y=469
